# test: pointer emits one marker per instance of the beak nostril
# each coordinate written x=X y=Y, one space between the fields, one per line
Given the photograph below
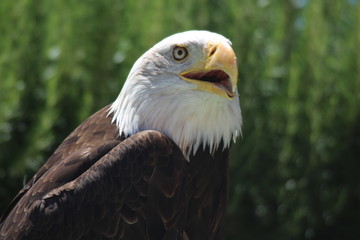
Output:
x=212 y=51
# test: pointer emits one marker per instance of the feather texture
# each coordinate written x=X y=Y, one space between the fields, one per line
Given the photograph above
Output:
x=135 y=188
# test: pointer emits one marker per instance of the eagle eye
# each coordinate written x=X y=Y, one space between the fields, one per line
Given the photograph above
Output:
x=180 y=53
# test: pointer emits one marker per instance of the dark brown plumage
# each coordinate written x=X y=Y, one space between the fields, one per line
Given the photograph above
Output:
x=98 y=185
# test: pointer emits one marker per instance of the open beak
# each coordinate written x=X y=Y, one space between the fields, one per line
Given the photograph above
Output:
x=218 y=73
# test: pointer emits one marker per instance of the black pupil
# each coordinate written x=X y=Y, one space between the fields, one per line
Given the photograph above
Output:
x=180 y=52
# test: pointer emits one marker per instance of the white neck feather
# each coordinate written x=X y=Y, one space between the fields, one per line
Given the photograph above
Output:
x=189 y=118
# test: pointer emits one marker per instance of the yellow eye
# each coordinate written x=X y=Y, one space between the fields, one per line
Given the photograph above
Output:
x=180 y=53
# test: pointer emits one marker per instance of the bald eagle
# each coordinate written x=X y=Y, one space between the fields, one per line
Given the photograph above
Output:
x=153 y=164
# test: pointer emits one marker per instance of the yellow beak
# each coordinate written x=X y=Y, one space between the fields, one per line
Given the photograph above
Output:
x=217 y=73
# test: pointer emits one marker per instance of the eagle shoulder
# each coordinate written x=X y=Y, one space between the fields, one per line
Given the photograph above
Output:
x=103 y=192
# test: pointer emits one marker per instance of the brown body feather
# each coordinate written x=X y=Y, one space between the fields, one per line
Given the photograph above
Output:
x=99 y=185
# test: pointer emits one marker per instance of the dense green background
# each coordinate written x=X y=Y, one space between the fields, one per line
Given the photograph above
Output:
x=295 y=174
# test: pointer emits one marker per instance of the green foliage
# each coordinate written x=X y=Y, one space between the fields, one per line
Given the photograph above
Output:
x=294 y=174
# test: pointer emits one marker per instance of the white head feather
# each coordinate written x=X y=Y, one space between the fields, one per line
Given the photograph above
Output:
x=155 y=97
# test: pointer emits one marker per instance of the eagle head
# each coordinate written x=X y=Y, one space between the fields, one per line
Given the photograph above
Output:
x=185 y=87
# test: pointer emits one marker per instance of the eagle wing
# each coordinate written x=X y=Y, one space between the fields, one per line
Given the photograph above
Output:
x=120 y=189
